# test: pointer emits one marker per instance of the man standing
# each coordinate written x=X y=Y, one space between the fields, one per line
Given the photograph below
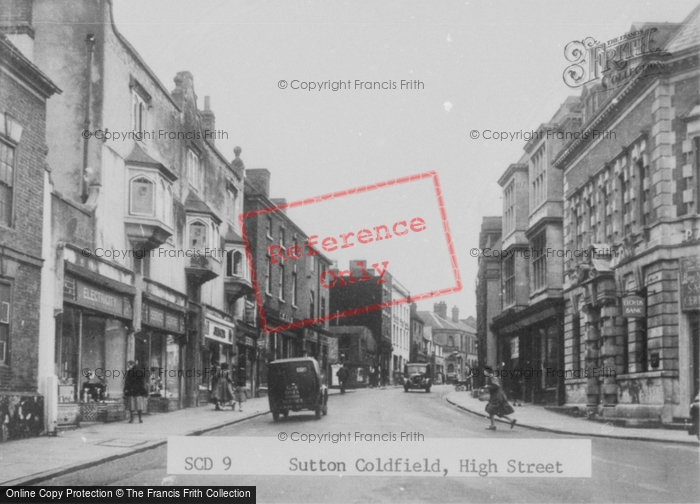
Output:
x=342 y=375
x=135 y=390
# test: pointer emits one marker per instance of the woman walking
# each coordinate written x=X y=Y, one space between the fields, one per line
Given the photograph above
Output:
x=222 y=387
x=498 y=404
x=135 y=390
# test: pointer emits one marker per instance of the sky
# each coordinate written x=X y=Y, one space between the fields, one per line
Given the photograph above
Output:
x=479 y=65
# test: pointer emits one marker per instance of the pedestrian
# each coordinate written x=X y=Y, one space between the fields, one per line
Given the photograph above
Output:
x=135 y=391
x=239 y=395
x=498 y=404
x=516 y=389
x=222 y=387
x=342 y=375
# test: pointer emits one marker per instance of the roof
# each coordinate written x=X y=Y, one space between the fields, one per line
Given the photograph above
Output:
x=437 y=322
x=688 y=35
x=38 y=80
x=295 y=359
x=195 y=204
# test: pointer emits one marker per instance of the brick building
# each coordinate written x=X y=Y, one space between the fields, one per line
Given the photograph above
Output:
x=145 y=259
x=24 y=91
x=289 y=291
x=633 y=202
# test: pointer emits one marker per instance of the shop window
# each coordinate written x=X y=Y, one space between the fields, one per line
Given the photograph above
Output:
x=4 y=323
x=198 y=235
x=7 y=164
x=625 y=346
x=142 y=196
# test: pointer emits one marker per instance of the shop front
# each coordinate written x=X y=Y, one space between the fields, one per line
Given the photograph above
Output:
x=160 y=348
x=218 y=350
x=91 y=346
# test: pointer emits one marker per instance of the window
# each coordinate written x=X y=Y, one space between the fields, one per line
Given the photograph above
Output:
x=538 y=175
x=138 y=112
x=644 y=192
x=198 y=235
x=576 y=342
x=509 y=280
x=234 y=263
x=312 y=304
x=641 y=347
x=509 y=210
x=282 y=237
x=281 y=282
x=4 y=323
x=232 y=204
x=268 y=278
x=269 y=227
x=193 y=168
x=7 y=165
x=294 y=285
x=142 y=196
x=539 y=261
x=215 y=237
x=323 y=306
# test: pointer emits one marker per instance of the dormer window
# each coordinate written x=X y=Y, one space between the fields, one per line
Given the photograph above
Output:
x=234 y=263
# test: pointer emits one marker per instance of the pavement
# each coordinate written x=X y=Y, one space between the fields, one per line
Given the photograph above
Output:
x=538 y=418
x=30 y=461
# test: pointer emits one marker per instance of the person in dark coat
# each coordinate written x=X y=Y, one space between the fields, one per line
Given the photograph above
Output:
x=135 y=390
x=222 y=387
x=498 y=404
x=342 y=375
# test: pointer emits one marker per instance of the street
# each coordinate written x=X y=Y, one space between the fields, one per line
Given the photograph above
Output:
x=623 y=471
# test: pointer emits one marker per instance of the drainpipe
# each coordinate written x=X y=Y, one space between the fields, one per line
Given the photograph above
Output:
x=90 y=42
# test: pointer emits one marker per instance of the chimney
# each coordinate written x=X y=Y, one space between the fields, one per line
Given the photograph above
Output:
x=455 y=314
x=208 y=121
x=16 y=25
x=280 y=201
x=440 y=309
x=260 y=179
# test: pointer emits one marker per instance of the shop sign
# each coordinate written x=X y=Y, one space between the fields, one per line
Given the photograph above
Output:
x=217 y=331
x=262 y=343
x=690 y=283
x=96 y=298
x=633 y=307
x=172 y=322
x=162 y=318
x=248 y=341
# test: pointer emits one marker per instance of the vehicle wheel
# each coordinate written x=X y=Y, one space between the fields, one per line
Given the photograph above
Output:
x=427 y=389
x=275 y=415
x=405 y=388
x=285 y=413
x=324 y=410
x=318 y=411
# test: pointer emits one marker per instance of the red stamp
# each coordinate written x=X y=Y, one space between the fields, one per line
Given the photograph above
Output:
x=400 y=225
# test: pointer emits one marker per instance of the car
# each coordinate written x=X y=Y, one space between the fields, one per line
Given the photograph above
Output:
x=296 y=385
x=417 y=376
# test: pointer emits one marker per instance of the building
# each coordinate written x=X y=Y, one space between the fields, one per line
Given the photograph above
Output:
x=400 y=328
x=24 y=174
x=632 y=202
x=355 y=296
x=472 y=344
x=358 y=351
x=488 y=292
x=143 y=223
x=289 y=291
x=452 y=336
x=530 y=328
x=420 y=351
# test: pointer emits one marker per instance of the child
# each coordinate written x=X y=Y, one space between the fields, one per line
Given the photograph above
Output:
x=239 y=396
